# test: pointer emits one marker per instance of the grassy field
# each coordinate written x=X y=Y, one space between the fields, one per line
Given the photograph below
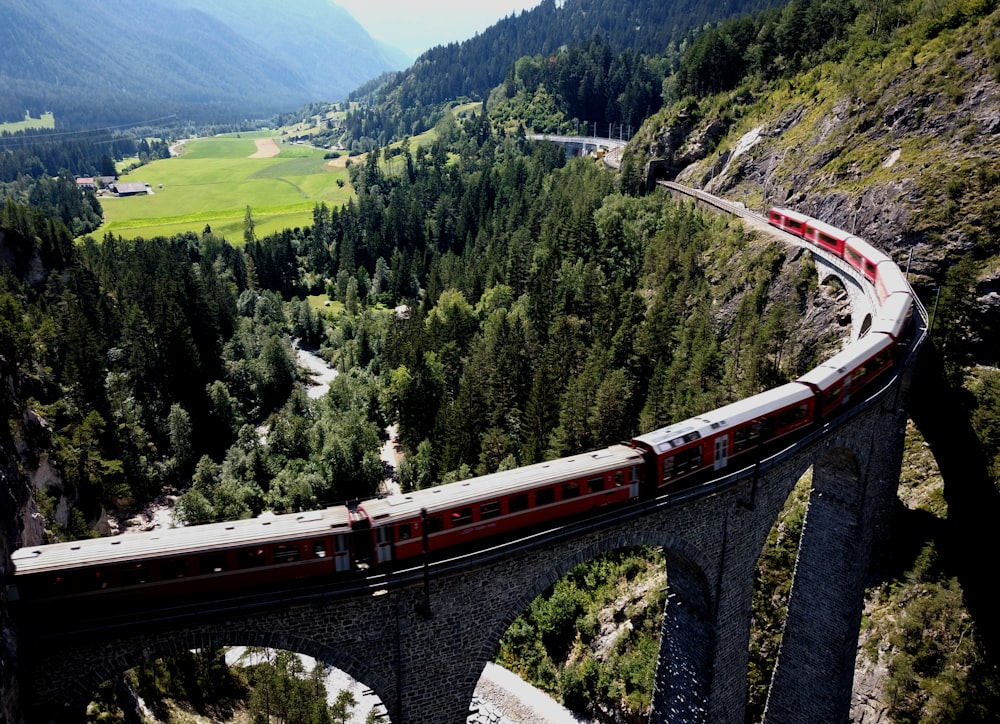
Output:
x=212 y=182
x=46 y=121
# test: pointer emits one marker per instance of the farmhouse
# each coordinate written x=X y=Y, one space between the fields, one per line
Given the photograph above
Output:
x=130 y=189
x=86 y=183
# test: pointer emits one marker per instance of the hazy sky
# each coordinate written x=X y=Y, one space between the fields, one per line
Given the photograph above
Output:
x=413 y=26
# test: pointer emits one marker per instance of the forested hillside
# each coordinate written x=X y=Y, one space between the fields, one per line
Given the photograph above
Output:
x=407 y=103
x=546 y=314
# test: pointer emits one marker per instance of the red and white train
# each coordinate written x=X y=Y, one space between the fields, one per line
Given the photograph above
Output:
x=378 y=534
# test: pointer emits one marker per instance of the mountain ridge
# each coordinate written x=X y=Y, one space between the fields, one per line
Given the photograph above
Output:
x=101 y=63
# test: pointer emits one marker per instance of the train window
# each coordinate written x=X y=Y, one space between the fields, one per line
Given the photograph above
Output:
x=286 y=553
x=95 y=580
x=134 y=574
x=793 y=415
x=619 y=478
x=250 y=557
x=489 y=510
x=833 y=394
x=319 y=548
x=434 y=524
x=742 y=438
x=596 y=485
x=687 y=461
x=461 y=517
x=668 y=468
x=54 y=583
x=518 y=502
x=570 y=490
x=545 y=496
x=404 y=531
x=212 y=563
x=173 y=568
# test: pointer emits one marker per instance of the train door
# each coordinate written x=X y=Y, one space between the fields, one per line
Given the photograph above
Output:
x=721 y=451
x=361 y=538
x=383 y=544
x=341 y=553
x=635 y=481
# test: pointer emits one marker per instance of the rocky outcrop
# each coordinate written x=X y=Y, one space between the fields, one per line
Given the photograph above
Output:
x=16 y=512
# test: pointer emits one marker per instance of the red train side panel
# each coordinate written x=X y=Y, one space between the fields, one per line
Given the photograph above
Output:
x=845 y=375
x=502 y=502
x=787 y=220
x=717 y=438
x=864 y=257
x=826 y=237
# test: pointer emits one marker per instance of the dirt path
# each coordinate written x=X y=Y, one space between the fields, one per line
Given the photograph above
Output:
x=266 y=148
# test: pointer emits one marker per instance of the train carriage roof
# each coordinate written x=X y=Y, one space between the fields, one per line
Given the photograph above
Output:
x=265 y=528
x=872 y=254
x=830 y=230
x=790 y=214
x=497 y=485
x=891 y=280
x=668 y=438
x=894 y=315
x=843 y=363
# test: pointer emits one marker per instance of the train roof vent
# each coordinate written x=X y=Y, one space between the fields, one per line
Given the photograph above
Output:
x=72 y=548
x=380 y=516
x=116 y=542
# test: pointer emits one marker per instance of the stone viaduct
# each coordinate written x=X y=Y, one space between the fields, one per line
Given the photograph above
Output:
x=424 y=665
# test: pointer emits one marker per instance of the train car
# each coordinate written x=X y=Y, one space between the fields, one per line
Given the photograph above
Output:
x=186 y=561
x=495 y=504
x=714 y=440
x=826 y=236
x=787 y=220
x=895 y=318
x=844 y=377
x=864 y=257
x=890 y=280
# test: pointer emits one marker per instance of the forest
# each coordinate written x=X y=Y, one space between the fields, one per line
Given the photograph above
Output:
x=546 y=313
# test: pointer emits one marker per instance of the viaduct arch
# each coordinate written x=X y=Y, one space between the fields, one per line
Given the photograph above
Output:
x=425 y=666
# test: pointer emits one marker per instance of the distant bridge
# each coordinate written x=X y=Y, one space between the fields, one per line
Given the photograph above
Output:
x=424 y=665
x=609 y=149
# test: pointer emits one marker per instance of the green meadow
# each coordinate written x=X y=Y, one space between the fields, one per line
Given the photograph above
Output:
x=213 y=181
x=47 y=120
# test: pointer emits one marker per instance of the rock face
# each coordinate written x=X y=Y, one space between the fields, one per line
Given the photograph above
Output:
x=19 y=523
x=907 y=159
